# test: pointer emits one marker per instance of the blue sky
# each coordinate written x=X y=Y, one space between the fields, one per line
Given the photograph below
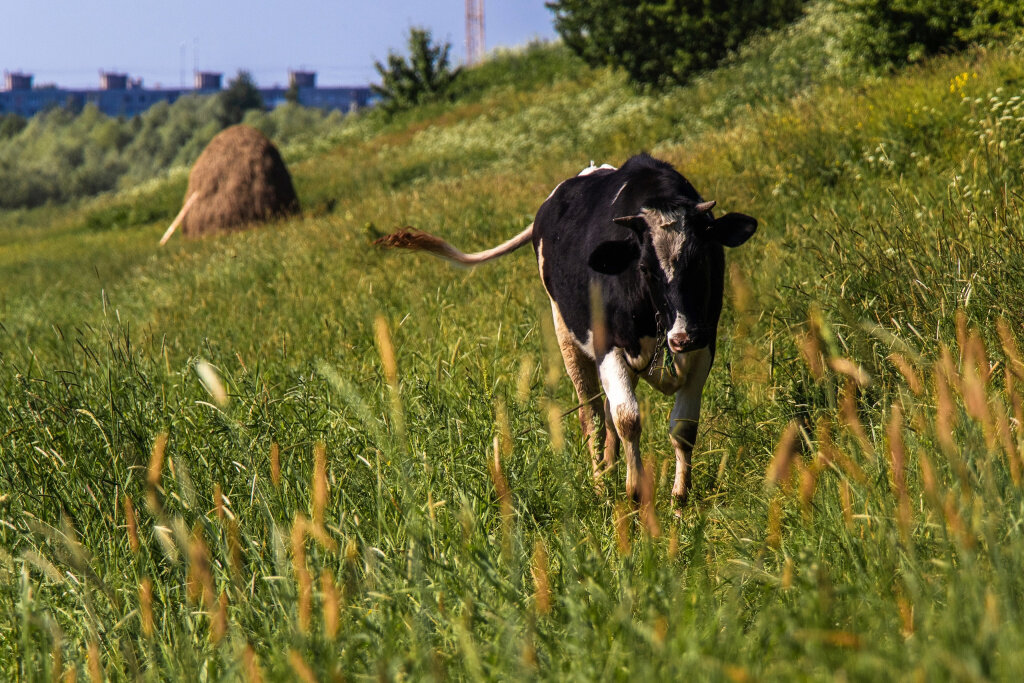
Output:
x=68 y=42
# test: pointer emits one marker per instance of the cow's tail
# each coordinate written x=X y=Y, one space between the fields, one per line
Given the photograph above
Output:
x=411 y=238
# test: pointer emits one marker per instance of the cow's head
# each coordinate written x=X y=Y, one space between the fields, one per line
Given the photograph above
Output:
x=679 y=253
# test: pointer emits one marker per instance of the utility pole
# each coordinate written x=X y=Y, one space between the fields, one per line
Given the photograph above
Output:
x=474 y=32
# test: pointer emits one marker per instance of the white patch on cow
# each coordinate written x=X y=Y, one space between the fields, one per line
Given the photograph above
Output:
x=590 y=169
x=668 y=243
x=679 y=325
x=615 y=198
x=648 y=345
x=618 y=382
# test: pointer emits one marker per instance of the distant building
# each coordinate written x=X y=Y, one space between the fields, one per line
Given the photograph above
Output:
x=120 y=95
x=208 y=80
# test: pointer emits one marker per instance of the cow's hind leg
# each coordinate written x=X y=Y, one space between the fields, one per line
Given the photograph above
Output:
x=583 y=373
x=611 y=438
x=619 y=382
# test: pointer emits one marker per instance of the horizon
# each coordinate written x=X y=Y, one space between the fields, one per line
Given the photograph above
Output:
x=338 y=41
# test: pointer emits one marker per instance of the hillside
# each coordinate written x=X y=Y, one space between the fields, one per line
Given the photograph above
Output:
x=338 y=514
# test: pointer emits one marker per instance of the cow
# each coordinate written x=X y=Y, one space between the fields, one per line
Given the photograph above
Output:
x=633 y=263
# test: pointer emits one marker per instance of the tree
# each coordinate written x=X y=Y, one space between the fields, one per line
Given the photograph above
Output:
x=664 y=42
x=240 y=96
x=425 y=75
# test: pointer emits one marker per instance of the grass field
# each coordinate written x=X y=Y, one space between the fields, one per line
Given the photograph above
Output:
x=284 y=455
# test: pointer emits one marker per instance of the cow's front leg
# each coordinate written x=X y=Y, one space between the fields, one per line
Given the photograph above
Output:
x=685 y=417
x=619 y=382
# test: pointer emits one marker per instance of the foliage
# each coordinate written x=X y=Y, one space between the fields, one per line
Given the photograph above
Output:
x=894 y=32
x=858 y=491
x=424 y=75
x=662 y=43
x=240 y=96
x=11 y=125
x=58 y=156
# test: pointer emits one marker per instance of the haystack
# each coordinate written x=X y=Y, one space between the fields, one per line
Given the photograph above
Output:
x=237 y=182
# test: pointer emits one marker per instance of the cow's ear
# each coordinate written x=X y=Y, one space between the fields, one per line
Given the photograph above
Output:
x=732 y=229
x=637 y=224
x=614 y=256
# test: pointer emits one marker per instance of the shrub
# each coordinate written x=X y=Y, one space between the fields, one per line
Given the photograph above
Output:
x=425 y=75
x=664 y=43
x=886 y=33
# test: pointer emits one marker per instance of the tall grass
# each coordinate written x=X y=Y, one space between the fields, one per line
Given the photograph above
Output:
x=280 y=454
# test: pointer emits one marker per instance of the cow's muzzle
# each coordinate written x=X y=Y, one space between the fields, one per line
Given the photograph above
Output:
x=681 y=342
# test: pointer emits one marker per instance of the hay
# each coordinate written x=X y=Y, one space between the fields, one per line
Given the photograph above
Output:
x=237 y=182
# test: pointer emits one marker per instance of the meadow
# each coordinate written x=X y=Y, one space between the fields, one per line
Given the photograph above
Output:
x=285 y=455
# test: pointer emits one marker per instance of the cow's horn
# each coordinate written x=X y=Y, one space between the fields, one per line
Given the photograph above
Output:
x=704 y=207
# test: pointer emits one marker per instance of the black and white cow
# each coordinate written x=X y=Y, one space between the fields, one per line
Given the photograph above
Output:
x=633 y=263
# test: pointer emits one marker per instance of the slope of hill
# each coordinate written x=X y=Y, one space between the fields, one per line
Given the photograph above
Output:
x=337 y=512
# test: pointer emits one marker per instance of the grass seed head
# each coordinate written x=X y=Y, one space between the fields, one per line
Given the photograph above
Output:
x=910 y=375
x=95 y=666
x=620 y=516
x=539 y=570
x=131 y=524
x=320 y=489
x=275 y=464
x=211 y=381
x=1014 y=362
x=897 y=461
x=330 y=604
x=251 y=665
x=146 y=607
x=780 y=468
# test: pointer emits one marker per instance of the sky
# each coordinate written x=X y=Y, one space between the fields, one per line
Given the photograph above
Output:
x=68 y=42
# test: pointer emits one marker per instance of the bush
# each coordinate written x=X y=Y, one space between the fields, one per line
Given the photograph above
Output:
x=425 y=75
x=886 y=33
x=664 y=43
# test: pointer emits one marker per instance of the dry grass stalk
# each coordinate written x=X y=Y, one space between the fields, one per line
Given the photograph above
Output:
x=523 y=379
x=251 y=665
x=554 y=420
x=300 y=668
x=501 y=489
x=897 y=461
x=275 y=464
x=199 y=579
x=845 y=366
x=945 y=412
x=212 y=382
x=600 y=329
x=845 y=499
x=810 y=350
x=319 y=483
x=330 y=604
x=219 y=619
x=774 y=537
x=780 y=468
x=851 y=420
x=57 y=657
x=809 y=484
x=131 y=524
x=647 y=512
x=146 y=607
x=386 y=350
x=786 y=580
x=93 y=663
x=910 y=375
x=906 y=616
x=303 y=579
x=218 y=501
x=539 y=570
x=1009 y=445
x=504 y=430
x=234 y=549
x=1010 y=349
x=155 y=472
x=955 y=522
x=831 y=455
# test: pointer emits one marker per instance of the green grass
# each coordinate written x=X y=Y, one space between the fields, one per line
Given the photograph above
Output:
x=890 y=238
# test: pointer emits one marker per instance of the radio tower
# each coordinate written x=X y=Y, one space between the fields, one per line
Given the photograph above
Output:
x=474 y=31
